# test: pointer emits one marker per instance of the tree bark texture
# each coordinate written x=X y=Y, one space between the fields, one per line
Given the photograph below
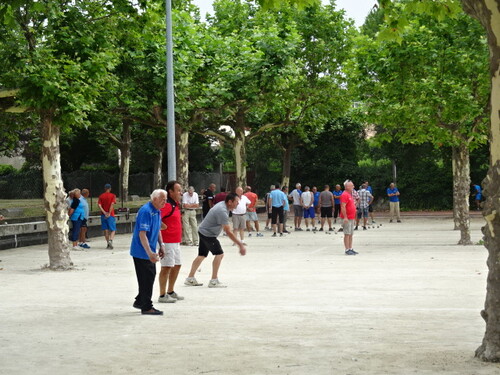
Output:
x=182 y=136
x=487 y=12
x=125 y=155
x=490 y=348
x=287 y=165
x=158 y=167
x=54 y=196
x=461 y=191
x=240 y=157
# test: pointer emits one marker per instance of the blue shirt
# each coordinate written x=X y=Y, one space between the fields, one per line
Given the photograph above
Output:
x=369 y=188
x=78 y=213
x=278 y=197
x=337 y=194
x=394 y=198
x=147 y=220
x=479 y=192
x=286 y=207
x=316 y=198
x=85 y=205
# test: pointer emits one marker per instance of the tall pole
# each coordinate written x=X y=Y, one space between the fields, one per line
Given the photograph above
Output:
x=171 y=154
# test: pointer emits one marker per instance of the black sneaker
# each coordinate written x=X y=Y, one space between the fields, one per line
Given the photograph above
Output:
x=354 y=252
x=274 y=235
x=308 y=230
x=331 y=229
x=340 y=230
x=356 y=227
x=321 y=229
x=350 y=252
x=136 y=306
x=399 y=221
x=281 y=234
x=153 y=311
x=364 y=228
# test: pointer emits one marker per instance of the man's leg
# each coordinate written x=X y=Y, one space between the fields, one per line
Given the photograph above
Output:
x=391 y=210
x=194 y=227
x=242 y=234
x=162 y=279
x=256 y=222
x=196 y=264
x=347 y=242
x=307 y=223
x=83 y=235
x=172 y=278
x=397 y=211
x=106 y=235
x=186 y=228
x=329 y=219
x=146 y=272
x=216 y=265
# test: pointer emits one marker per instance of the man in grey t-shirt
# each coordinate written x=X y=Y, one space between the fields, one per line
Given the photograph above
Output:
x=217 y=219
x=326 y=207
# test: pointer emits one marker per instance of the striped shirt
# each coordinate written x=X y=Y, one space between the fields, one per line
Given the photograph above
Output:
x=364 y=198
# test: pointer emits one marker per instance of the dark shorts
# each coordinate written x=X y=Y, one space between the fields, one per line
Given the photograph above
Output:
x=209 y=244
x=75 y=231
x=370 y=208
x=326 y=211
x=269 y=215
x=84 y=223
x=277 y=213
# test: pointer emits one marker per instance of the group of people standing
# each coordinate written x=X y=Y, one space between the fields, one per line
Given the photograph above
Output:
x=78 y=211
x=159 y=224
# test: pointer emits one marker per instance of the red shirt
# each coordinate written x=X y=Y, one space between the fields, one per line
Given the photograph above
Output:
x=173 y=233
x=252 y=197
x=220 y=197
x=106 y=200
x=350 y=207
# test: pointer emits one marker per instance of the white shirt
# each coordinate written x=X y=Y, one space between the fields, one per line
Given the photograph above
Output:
x=190 y=199
x=307 y=198
x=296 y=197
x=242 y=206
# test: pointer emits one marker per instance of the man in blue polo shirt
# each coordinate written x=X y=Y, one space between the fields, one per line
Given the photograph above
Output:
x=277 y=202
x=393 y=194
x=143 y=250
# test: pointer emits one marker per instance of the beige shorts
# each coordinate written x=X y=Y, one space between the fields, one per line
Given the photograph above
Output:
x=172 y=255
x=348 y=227
x=239 y=222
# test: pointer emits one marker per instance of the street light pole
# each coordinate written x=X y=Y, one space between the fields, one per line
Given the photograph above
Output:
x=171 y=154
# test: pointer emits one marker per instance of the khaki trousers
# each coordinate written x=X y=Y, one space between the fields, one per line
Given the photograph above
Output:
x=394 y=207
x=189 y=227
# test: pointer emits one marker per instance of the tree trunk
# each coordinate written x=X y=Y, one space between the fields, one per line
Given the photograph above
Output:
x=182 y=157
x=125 y=156
x=54 y=196
x=240 y=157
x=158 y=167
x=456 y=225
x=490 y=348
x=287 y=165
x=488 y=13
x=461 y=190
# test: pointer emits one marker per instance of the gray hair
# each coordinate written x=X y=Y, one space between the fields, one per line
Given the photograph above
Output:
x=191 y=188
x=347 y=182
x=156 y=193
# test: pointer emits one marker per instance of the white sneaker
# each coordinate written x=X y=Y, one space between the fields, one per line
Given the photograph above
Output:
x=77 y=248
x=216 y=284
x=176 y=296
x=166 y=299
x=191 y=281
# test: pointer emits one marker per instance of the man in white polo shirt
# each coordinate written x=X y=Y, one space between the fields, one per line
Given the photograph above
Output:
x=190 y=203
x=239 y=214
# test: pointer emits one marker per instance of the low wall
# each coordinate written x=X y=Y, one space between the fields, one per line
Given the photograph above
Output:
x=35 y=233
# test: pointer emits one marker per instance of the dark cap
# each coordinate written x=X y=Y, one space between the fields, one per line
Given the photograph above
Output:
x=107 y=186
